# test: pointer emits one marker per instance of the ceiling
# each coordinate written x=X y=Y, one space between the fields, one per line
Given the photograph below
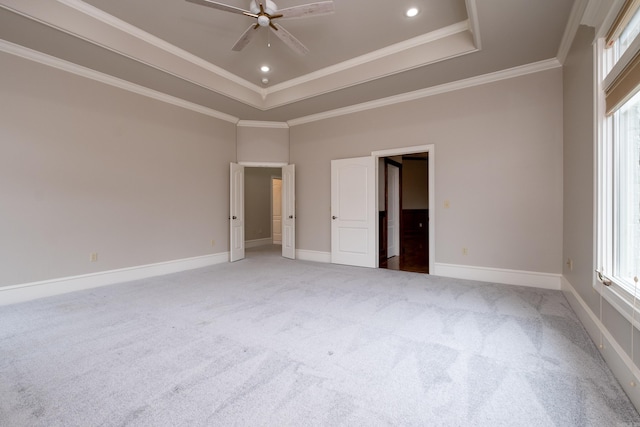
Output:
x=364 y=51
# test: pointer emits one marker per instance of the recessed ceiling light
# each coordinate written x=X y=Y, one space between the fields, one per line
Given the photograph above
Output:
x=411 y=12
x=265 y=68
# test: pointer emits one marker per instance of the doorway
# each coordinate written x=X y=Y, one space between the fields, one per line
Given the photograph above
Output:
x=252 y=211
x=404 y=212
x=355 y=206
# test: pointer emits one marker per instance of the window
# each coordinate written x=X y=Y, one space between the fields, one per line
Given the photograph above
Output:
x=627 y=220
x=618 y=156
x=628 y=35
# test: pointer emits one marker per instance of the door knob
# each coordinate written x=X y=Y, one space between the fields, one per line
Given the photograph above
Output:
x=290 y=216
x=334 y=217
x=234 y=217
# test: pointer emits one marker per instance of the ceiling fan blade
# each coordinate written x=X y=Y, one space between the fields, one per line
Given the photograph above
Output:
x=304 y=10
x=289 y=40
x=245 y=38
x=219 y=6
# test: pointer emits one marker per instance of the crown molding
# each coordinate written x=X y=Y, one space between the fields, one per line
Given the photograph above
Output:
x=44 y=59
x=259 y=124
x=372 y=56
x=82 y=20
x=94 y=26
x=136 y=32
x=474 y=22
x=436 y=90
x=263 y=164
x=596 y=13
x=575 y=18
x=440 y=49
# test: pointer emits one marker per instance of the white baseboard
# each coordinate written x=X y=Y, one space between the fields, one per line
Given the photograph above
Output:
x=617 y=359
x=316 y=256
x=28 y=291
x=499 y=275
x=257 y=242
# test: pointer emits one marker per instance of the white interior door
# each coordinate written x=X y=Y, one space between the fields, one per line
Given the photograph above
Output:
x=353 y=211
x=276 y=194
x=289 y=211
x=236 y=216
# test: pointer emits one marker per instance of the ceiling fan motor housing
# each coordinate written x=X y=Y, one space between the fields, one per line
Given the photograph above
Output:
x=269 y=6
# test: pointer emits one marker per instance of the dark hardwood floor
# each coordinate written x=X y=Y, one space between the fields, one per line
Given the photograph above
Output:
x=414 y=257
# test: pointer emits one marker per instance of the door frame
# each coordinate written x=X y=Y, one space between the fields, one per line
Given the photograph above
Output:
x=261 y=165
x=430 y=149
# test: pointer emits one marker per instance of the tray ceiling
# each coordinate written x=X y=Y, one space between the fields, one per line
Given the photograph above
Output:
x=365 y=51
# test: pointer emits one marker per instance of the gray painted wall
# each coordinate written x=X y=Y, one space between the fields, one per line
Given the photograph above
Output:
x=85 y=167
x=263 y=144
x=498 y=160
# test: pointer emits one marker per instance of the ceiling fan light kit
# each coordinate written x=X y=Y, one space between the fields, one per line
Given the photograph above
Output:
x=269 y=7
x=265 y=12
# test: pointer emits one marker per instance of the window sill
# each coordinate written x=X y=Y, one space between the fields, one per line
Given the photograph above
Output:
x=620 y=299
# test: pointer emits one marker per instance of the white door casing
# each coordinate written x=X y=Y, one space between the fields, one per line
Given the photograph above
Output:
x=236 y=216
x=430 y=149
x=393 y=211
x=289 y=211
x=353 y=211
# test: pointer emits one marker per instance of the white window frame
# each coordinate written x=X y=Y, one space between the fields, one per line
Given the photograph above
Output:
x=618 y=294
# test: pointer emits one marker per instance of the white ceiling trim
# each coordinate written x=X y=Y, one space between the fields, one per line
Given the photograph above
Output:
x=577 y=12
x=78 y=70
x=457 y=44
x=609 y=17
x=136 y=32
x=70 y=67
x=474 y=22
x=263 y=164
x=596 y=13
x=371 y=57
x=94 y=30
x=89 y=23
x=436 y=90
x=259 y=124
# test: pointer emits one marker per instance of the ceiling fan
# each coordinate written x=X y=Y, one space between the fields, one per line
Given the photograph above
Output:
x=266 y=14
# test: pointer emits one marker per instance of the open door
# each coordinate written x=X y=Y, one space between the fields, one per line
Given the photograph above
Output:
x=236 y=215
x=353 y=211
x=276 y=210
x=289 y=211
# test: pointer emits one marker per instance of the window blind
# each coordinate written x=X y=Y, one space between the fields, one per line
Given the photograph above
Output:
x=621 y=21
x=624 y=79
x=624 y=85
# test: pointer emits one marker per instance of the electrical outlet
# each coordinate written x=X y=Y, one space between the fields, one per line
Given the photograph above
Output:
x=93 y=257
x=213 y=242
x=570 y=264
x=447 y=204
x=465 y=251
